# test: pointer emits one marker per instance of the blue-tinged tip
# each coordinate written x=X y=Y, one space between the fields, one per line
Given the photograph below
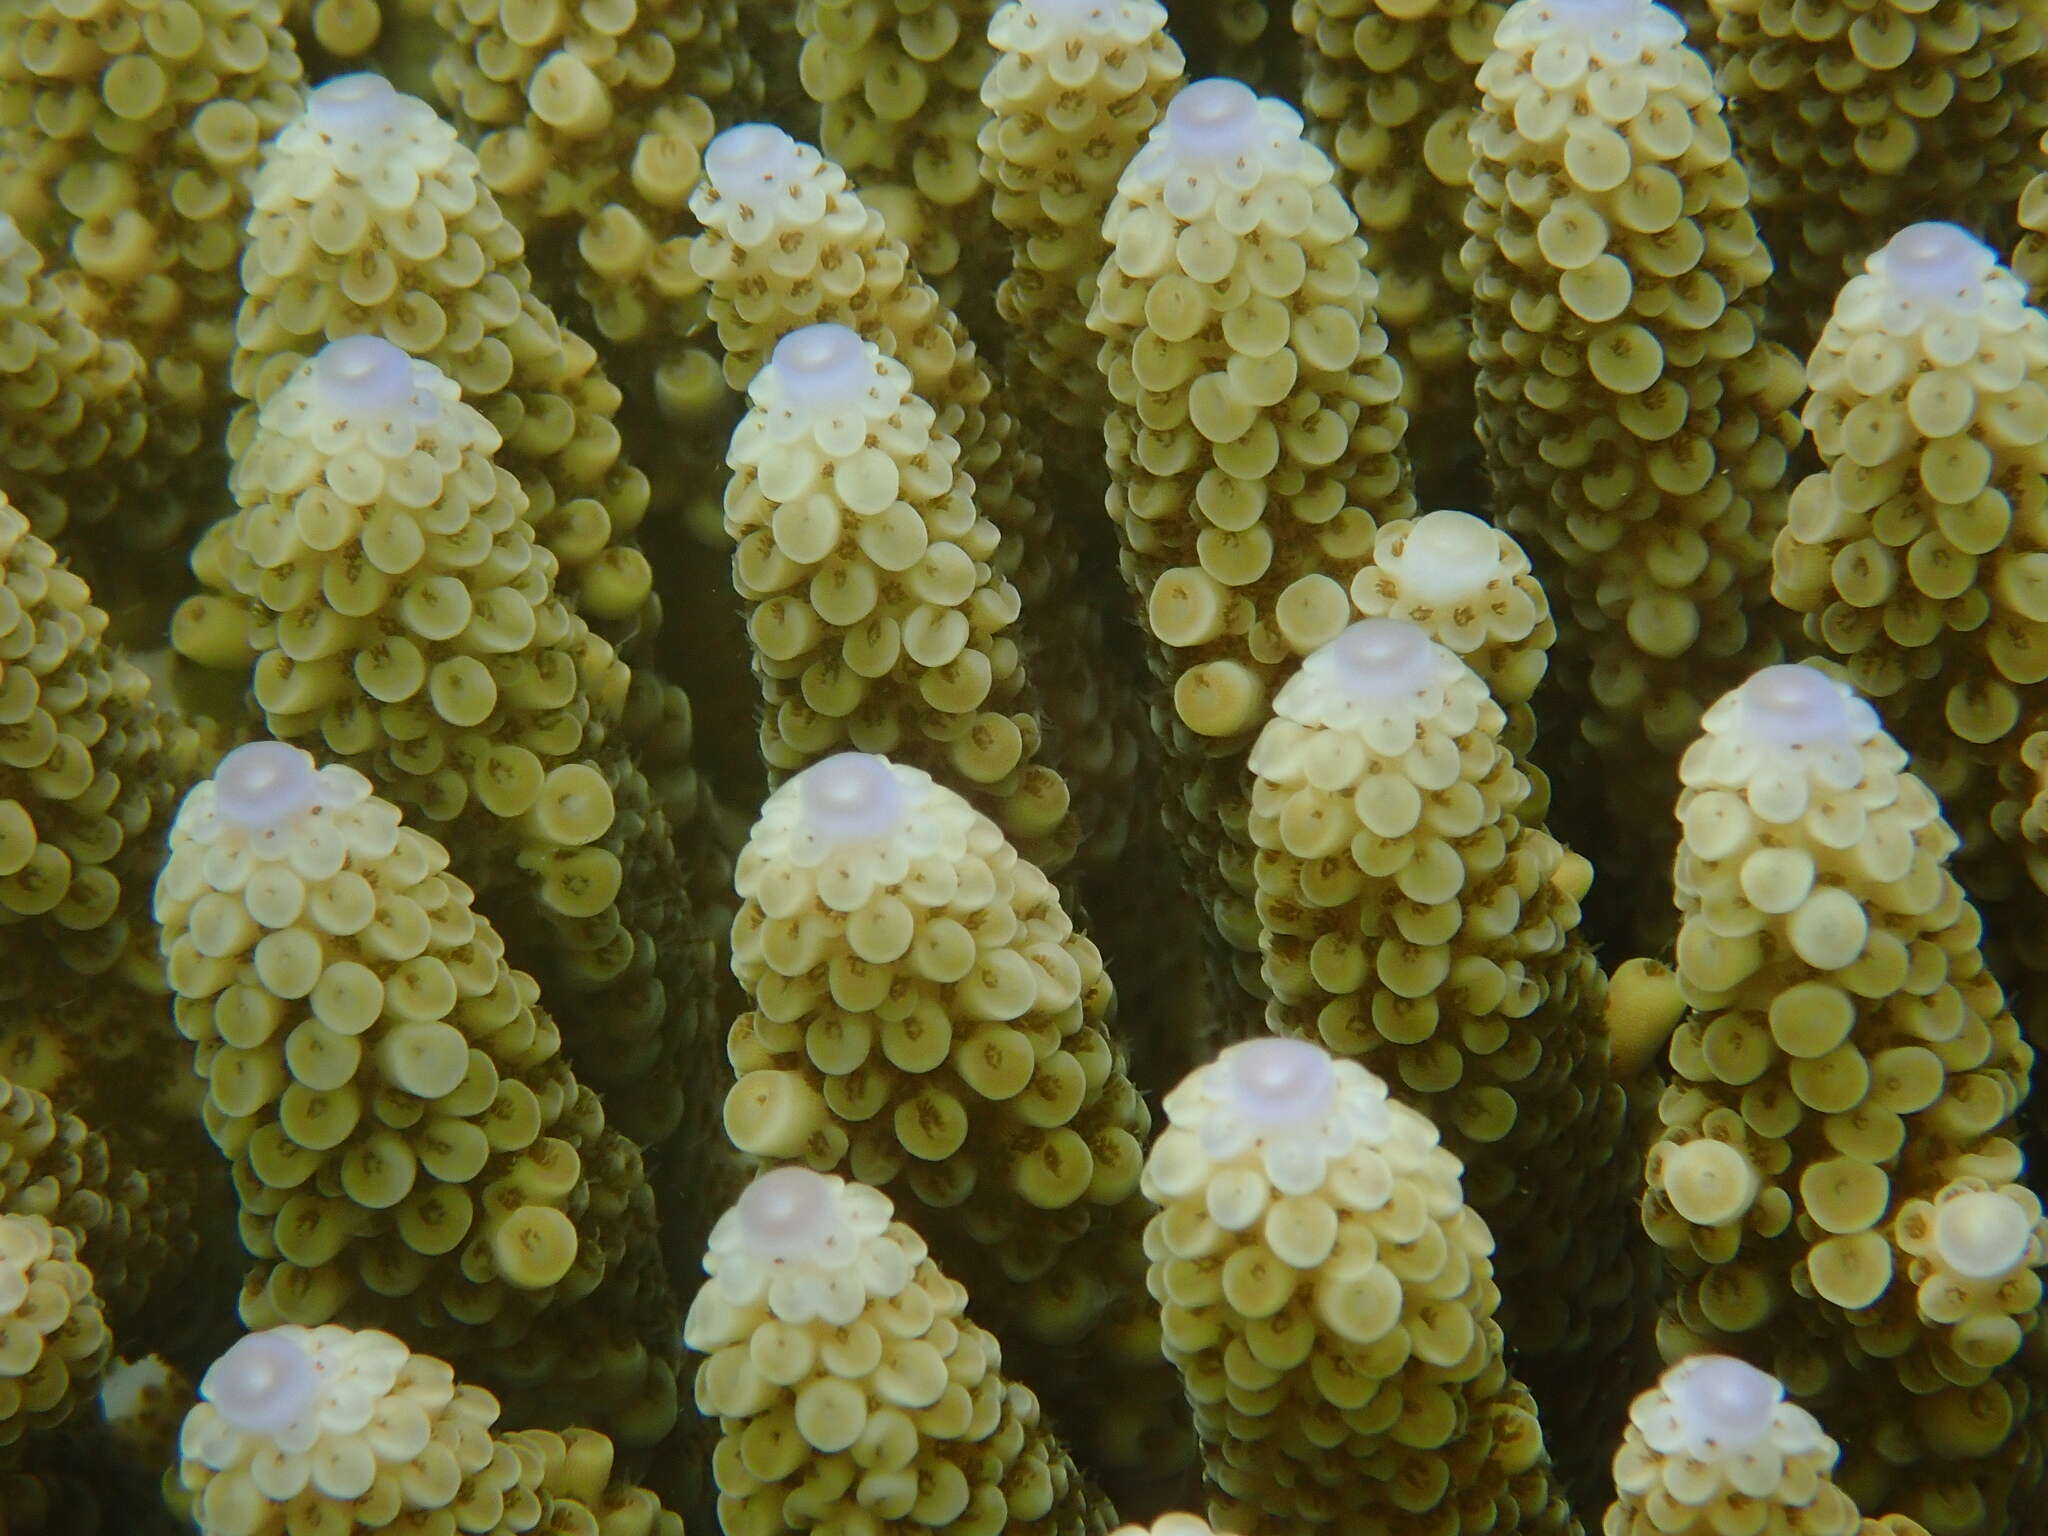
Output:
x=852 y=797
x=821 y=368
x=265 y=784
x=263 y=1384
x=750 y=152
x=364 y=374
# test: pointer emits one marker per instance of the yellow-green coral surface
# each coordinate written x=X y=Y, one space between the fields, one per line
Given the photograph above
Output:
x=584 y=227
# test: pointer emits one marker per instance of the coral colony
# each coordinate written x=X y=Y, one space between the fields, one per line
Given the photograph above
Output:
x=992 y=766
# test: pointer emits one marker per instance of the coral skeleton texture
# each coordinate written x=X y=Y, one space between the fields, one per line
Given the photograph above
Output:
x=1023 y=767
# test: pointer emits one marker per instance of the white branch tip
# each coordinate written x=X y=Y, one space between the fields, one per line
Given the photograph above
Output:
x=1724 y=1405
x=263 y=1384
x=1378 y=659
x=1798 y=706
x=821 y=368
x=264 y=784
x=364 y=375
x=852 y=797
x=1934 y=263
x=750 y=157
x=353 y=105
x=790 y=1213
x=1279 y=1082
x=1213 y=120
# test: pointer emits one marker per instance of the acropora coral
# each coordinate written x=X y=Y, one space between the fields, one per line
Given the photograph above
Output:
x=998 y=766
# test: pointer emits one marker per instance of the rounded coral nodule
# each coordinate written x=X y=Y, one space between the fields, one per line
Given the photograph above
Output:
x=1613 y=31
x=1789 y=706
x=353 y=110
x=804 y=1245
x=364 y=374
x=1982 y=1235
x=1280 y=1081
x=1788 y=736
x=1443 y=551
x=267 y=1384
x=1939 y=265
x=752 y=158
x=1077 y=15
x=1388 y=681
x=1289 y=1106
x=818 y=368
x=1710 y=1183
x=790 y=1213
x=1724 y=1405
x=1215 y=140
x=852 y=797
x=1212 y=122
x=1376 y=659
x=368 y=389
x=266 y=784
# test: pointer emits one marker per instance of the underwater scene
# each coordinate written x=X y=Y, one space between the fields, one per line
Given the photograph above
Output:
x=894 y=767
